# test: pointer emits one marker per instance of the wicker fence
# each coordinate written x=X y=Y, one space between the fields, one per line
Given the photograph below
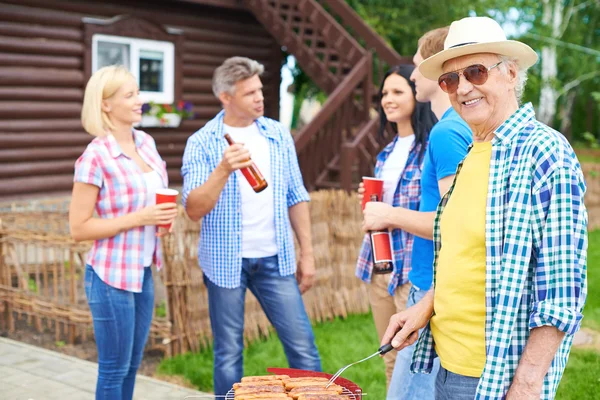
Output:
x=42 y=275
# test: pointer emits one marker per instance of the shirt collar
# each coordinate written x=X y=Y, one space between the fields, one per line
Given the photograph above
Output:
x=113 y=146
x=506 y=132
x=261 y=122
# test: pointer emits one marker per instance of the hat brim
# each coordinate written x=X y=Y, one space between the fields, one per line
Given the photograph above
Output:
x=431 y=68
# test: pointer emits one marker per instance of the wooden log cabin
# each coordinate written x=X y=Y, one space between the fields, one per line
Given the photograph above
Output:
x=49 y=48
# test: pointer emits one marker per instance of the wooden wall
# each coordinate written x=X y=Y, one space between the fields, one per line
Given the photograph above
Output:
x=42 y=81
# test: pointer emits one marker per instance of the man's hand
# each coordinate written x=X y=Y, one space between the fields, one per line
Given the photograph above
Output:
x=403 y=329
x=306 y=272
x=376 y=216
x=235 y=157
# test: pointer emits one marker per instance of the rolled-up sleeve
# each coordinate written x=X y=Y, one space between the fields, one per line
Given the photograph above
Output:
x=560 y=219
x=195 y=169
x=297 y=193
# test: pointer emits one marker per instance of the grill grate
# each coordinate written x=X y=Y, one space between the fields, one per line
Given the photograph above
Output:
x=351 y=396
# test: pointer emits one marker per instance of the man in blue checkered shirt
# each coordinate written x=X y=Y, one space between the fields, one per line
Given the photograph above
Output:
x=246 y=241
x=510 y=235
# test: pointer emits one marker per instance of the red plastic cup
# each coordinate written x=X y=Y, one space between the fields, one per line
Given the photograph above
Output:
x=372 y=186
x=166 y=196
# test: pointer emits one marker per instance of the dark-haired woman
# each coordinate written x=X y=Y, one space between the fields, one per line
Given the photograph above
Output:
x=399 y=166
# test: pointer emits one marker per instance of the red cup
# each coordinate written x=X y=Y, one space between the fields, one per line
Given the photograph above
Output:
x=372 y=186
x=166 y=196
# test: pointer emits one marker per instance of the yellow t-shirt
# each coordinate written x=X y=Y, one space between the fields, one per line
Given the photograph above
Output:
x=458 y=325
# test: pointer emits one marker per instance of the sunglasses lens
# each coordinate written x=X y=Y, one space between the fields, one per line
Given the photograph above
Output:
x=476 y=74
x=449 y=82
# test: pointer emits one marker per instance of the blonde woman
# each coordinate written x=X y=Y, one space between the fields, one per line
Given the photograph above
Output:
x=117 y=176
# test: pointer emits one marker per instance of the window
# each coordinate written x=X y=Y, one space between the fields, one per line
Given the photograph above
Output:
x=152 y=62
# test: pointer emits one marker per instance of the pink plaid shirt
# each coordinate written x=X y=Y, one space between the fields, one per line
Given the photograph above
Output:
x=119 y=260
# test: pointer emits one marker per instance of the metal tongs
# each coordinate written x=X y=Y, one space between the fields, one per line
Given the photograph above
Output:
x=382 y=350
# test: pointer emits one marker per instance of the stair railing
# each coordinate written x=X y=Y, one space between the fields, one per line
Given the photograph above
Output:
x=318 y=142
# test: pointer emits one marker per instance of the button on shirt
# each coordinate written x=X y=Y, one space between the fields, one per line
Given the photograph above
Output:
x=220 y=246
x=536 y=251
x=119 y=260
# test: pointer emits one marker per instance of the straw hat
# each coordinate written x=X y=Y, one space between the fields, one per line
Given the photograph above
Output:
x=476 y=35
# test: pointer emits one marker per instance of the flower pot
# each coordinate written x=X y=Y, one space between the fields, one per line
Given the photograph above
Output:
x=170 y=120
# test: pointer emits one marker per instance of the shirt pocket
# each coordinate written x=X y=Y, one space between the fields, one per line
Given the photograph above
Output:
x=410 y=183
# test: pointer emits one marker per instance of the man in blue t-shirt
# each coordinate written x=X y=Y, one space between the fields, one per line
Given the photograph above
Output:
x=448 y=143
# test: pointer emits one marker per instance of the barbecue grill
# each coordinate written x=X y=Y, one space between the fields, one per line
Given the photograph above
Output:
x=351 y=389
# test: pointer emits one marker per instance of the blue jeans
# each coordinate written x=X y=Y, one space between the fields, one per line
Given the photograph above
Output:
x=407 y=386
x=281 y=301
x=121 y=327
x=451 y=386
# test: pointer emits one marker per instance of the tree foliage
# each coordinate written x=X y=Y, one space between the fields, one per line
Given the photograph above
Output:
x=402 y=22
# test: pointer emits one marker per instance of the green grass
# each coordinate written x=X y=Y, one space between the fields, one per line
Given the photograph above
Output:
x=161 y=309
x=581 y=380
x=344 y=341
x=591 y=312
x=588 y=158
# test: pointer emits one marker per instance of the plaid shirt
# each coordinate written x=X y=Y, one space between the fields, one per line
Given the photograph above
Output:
x=119 y=260
x=536 y=245
x=220 y=247
x=407 y=195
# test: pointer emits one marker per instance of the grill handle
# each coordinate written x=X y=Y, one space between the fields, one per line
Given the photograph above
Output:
x=386 y=348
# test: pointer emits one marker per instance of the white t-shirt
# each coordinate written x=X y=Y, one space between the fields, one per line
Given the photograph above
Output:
x=394 y=166
x=153 y=183
x=258 y=210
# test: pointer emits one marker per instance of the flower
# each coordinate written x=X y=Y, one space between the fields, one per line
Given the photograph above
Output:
x=182 y=108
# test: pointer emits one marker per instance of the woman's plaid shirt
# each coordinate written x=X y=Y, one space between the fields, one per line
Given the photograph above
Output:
x=119 y=260
x=407 y=195
x=536 y=245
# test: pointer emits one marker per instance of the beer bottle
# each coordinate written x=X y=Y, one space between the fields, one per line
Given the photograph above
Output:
x=251 y=173
x=381 y=249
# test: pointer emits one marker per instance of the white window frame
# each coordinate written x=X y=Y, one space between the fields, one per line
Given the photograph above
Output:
x=167 y=96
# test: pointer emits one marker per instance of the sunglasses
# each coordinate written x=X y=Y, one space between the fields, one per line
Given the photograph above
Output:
x=476 y=74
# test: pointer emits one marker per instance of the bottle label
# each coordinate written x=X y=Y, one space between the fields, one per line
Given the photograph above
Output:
x=250 y=177
x=382 y=249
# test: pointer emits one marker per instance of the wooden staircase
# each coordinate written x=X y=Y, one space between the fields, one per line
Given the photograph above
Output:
x=345 y=58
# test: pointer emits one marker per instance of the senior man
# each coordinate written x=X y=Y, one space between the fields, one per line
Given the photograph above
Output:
x=510 y=234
